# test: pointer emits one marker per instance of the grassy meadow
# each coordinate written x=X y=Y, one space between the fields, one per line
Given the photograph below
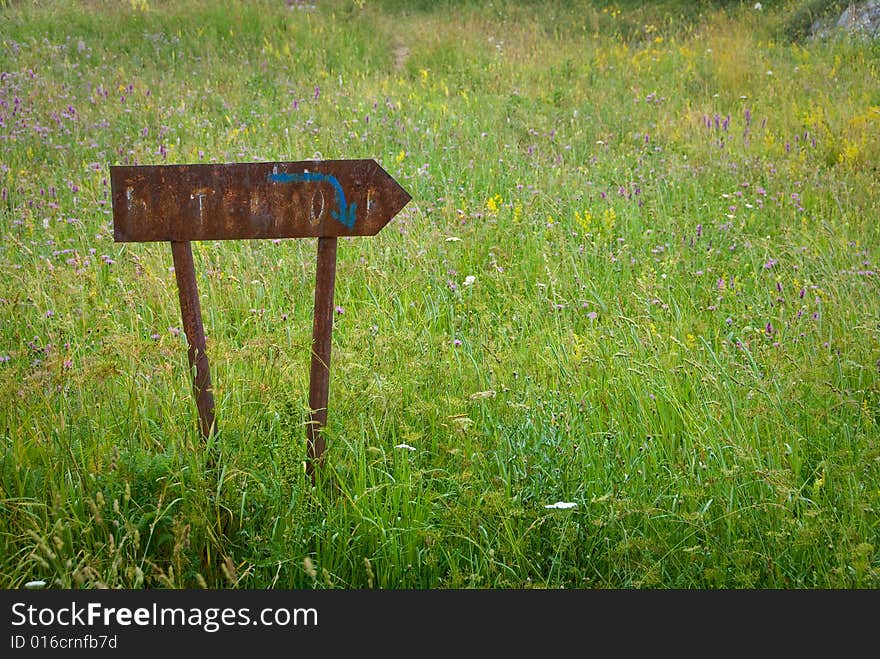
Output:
x=639 y=275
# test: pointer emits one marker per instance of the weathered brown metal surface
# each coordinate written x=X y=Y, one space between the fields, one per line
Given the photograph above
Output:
x=191 y=314
x=319 y=198
x=322 y=328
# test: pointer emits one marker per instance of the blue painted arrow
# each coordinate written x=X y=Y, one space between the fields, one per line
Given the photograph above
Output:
x=345 y=214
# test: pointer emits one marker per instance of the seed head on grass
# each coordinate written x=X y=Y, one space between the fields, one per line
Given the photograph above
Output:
x=229 y=571
x=309 y=567
x=369 y=568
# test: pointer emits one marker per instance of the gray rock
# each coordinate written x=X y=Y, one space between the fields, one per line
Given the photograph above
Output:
x=861 y=18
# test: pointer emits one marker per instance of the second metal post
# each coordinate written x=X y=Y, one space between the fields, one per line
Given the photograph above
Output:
x=319 y=376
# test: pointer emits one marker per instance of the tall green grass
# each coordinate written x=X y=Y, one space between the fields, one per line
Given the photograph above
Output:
x=638 y=274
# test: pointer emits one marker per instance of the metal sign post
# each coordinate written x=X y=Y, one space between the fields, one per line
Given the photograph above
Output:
x=321 y=199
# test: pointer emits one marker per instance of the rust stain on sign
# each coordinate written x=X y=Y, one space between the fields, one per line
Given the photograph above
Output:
x=321 y=198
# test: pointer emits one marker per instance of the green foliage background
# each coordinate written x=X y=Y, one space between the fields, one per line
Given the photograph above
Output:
x=638 y=275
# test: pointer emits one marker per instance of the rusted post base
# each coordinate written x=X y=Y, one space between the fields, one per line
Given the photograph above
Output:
x=319 y=376
x=191 y=314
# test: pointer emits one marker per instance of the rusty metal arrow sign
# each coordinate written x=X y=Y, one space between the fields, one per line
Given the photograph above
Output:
x=321 y=199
